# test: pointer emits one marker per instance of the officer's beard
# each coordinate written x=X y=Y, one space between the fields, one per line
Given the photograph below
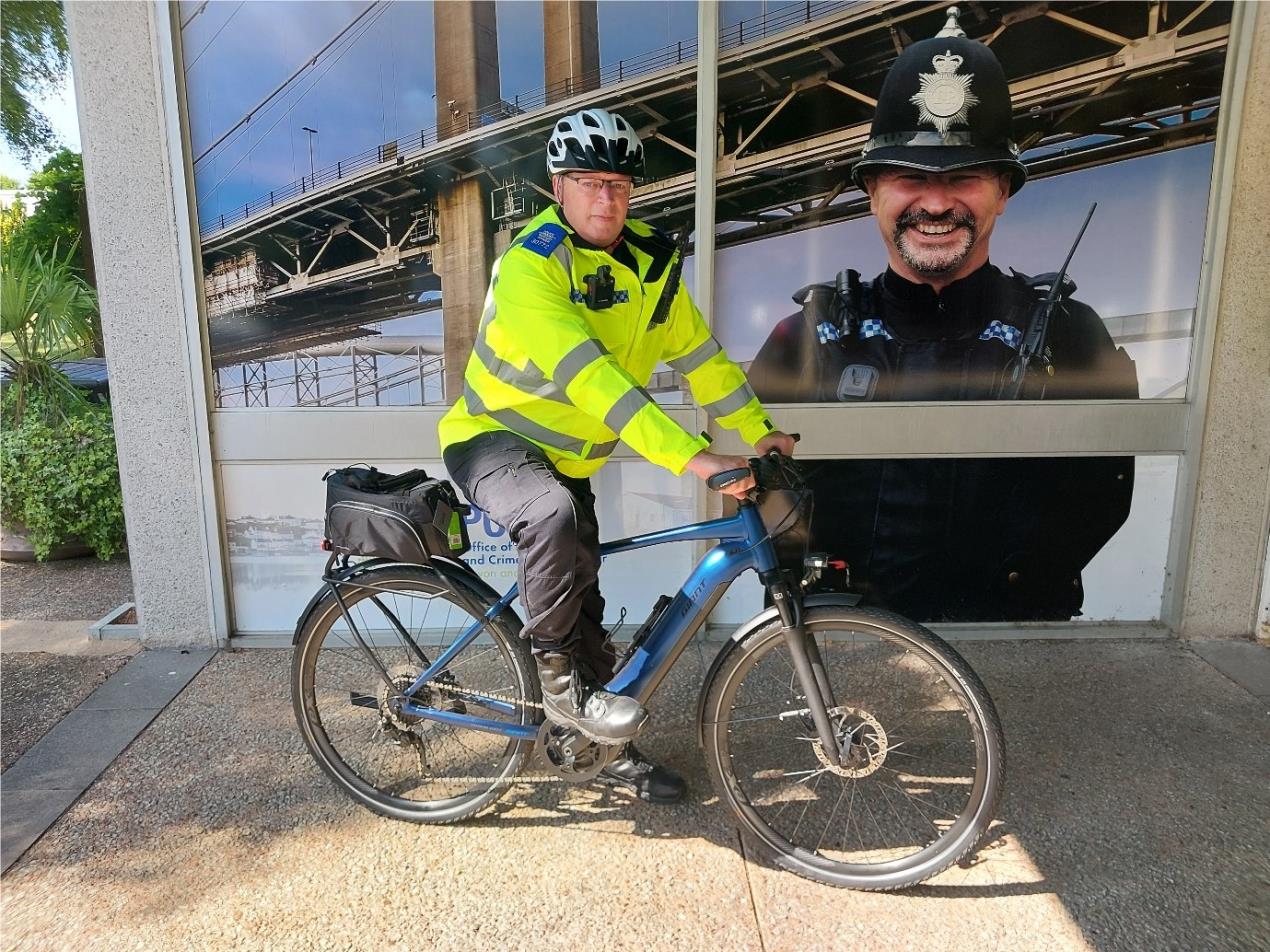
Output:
x=936 y=261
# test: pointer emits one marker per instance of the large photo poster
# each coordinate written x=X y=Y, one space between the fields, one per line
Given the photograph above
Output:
x=359 y=166
x=939 y=262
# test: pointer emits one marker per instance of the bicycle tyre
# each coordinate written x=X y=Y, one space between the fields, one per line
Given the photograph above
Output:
x=333 y=684
x=894 y=664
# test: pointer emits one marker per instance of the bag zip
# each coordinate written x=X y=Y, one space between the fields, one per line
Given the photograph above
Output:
x=377 y=510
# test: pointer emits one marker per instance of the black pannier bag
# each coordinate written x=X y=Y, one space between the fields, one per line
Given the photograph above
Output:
x=408 y=518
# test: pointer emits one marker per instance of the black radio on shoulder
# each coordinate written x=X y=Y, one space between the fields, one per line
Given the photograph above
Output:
x=599 y=288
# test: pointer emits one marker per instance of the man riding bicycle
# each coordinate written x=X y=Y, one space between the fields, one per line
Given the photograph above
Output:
x=580 y=310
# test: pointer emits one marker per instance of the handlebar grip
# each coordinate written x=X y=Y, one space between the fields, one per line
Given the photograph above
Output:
x=726 y=478
x=775 y=453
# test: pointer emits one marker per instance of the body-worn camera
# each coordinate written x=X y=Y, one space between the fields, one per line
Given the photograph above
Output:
x=599 y=288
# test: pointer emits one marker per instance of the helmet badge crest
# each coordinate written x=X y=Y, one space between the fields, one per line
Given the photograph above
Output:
x=944 y=97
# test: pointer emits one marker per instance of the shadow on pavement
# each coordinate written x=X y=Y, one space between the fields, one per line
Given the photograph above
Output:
x=1134 y=818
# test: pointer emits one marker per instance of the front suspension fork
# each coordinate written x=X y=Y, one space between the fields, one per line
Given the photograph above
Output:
x=809 y=666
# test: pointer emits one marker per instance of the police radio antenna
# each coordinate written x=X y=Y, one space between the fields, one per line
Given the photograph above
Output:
x=1022 y=375
x=1062 y=272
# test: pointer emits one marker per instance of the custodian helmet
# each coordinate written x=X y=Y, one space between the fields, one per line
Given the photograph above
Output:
x=944 y=105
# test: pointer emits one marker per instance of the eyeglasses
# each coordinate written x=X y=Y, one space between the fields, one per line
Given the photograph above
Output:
x=618 y=188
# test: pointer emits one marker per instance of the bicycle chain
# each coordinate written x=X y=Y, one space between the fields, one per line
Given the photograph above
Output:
x=459 y=689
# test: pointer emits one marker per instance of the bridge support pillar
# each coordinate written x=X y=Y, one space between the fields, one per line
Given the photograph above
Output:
x=465 y=37
x=466 y=40
x=463 y=260
x=571 y=46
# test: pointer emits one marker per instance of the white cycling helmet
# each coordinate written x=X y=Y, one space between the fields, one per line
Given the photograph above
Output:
x=595 y=140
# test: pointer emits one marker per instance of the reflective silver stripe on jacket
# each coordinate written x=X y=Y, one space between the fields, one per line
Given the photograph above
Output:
x=577 y=360
x=697 y=356
x=628 y=404
x=530 y=380
x=519 y=423
x=732 y=402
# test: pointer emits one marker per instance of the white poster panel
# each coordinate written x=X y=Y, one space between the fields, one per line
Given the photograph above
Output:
x=274 y=520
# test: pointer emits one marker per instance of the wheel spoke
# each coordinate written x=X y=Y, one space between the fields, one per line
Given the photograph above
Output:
x=913 y=770
x=392 y=761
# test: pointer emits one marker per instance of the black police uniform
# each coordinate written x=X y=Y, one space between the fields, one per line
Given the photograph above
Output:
x=955 y=539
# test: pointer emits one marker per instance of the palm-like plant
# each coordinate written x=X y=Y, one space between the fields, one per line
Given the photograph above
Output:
x=47 y=314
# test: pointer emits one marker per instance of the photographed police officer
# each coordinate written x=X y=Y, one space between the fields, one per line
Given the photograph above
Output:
x=580 y=310
x=937 y=539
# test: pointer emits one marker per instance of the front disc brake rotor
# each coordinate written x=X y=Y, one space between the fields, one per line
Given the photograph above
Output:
x=861 y=739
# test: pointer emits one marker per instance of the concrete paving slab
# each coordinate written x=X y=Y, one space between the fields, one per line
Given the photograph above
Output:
x=150 y=680
x=84 y=743
x=27 y=814
x=38 y=689
x=1244 y=662
x=79 y=748
x=60 y=638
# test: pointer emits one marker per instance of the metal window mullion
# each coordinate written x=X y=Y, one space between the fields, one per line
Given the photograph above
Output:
x=707 y=504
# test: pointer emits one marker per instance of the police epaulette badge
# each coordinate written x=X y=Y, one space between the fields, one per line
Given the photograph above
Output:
x=546 y=239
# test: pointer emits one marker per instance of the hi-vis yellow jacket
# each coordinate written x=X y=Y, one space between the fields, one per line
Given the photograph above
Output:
x=571 y=379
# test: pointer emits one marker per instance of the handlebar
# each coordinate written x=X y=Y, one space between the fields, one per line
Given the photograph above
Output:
x=720 y=481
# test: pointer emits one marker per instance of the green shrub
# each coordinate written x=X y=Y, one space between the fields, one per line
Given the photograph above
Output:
x=61 y=478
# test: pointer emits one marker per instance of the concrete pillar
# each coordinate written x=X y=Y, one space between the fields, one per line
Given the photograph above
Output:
x=142 y=247
x=571 y=45
x=1232 y=508
x=466 y=37
x=463 y=260
x=466 y=43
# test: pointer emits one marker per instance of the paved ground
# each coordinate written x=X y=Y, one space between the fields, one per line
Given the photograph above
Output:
x=1136 y=818
x=38 y=689
x=65 y=589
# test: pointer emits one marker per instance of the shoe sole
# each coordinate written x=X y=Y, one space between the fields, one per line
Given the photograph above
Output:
x=623 y=785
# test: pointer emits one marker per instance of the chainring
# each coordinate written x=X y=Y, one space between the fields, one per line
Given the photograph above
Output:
x=571 y=756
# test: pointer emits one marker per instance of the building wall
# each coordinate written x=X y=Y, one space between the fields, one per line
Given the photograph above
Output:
x=1228 y=539
x=138 y=198
x=141 y=240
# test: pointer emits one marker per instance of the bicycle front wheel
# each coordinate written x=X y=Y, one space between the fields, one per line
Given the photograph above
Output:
x=922 y=760
x=406 y=766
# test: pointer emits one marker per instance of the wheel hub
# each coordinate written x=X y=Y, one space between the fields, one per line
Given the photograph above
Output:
x=862 y=743
x=392 y=695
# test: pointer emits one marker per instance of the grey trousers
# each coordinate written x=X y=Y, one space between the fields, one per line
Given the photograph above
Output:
x=551 y=519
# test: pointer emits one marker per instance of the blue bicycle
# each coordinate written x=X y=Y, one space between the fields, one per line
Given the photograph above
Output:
x=855 y=747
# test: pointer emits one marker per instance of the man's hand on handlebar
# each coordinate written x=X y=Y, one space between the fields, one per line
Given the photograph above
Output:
x=706 y=464
x=783 y=443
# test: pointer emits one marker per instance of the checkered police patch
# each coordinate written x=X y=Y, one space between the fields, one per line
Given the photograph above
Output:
x=826 y=332
x=1008 y=334
x=874 y=328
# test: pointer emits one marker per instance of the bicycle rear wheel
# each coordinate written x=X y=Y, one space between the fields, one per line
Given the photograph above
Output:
x=924 y=754
x=410 y=767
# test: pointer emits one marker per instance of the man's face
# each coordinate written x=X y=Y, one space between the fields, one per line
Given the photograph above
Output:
x=594 y=203
x=937 y=224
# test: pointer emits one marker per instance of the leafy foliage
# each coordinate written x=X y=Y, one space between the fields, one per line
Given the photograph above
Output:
x=55 y=222
x=61 y=479
x=34 y=56
x=9 y=182
x=11 y=221
x=47 y=313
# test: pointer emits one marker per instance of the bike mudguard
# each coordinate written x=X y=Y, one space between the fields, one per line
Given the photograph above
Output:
x=746 y=628
x=455 y=571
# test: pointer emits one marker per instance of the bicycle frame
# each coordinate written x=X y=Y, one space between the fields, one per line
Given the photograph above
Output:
x=743 y=544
